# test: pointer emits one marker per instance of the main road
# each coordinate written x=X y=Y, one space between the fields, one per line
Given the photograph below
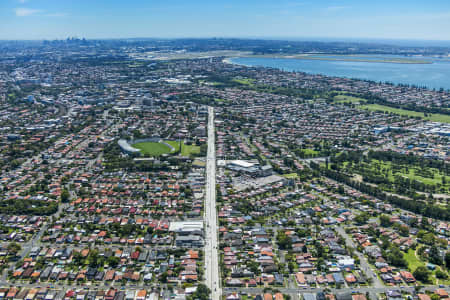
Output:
x=211 y=256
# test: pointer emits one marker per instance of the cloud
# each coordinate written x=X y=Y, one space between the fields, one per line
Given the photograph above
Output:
x=25 y=12
x=22 y=1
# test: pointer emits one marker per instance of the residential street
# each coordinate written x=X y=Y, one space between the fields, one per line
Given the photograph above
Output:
x=365 y=267
x=295 y=291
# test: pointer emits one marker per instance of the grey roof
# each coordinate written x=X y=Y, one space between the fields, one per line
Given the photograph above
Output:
x=309 y=296
x=127 y=147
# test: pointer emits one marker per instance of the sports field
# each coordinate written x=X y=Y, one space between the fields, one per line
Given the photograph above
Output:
x=186 y=150
x=152 y=148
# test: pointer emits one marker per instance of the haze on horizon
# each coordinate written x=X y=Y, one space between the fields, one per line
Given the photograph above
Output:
x=383 y=19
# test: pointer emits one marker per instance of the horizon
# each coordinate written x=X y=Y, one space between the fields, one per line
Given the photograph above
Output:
x=331 y=19
x=379 y=41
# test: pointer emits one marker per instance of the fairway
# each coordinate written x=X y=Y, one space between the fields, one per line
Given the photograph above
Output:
x=345 y=99
x=431 y=117
x=244 y=81
x=308 y=151
x=152 y=148
x=425 y=175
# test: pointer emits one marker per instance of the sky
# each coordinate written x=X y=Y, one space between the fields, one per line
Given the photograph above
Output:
x=379 y=19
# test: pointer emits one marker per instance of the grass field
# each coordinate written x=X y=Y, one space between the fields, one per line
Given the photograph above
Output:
x=152 y=148
x=221 y=101
x=186 y=150
x=413 y=261
x=345 y=98
x=244 y=81
x=290 y=176
x=427 y=175
x=409 y=171
x=431 y=117
x=310 y=151
x=342 y=98
x=411 y=174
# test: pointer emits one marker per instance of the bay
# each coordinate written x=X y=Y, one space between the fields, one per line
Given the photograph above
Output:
x=431 y=75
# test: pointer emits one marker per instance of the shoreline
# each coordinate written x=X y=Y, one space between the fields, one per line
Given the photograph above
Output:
x=230 y=60
x=307 y=57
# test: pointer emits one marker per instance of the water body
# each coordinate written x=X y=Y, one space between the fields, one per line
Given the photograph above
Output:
x=432 y=75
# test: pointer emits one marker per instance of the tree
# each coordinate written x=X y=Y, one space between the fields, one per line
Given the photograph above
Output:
x=385 y=221
x=14 y=248
x=320 y=251
x=113 y=261
x=403 y=230
x=291 y=266
x=65 y=196
x=395 y=256
x=202 y=292
x=422 y=274
x=447 y=259
x=94 y=258
x=203 y=149
x=362 y=218
x=77 y=257
x=163 y=277
x=434 y=256
x=435 y=297
x=254 y=267
x=283 y=241
x=427 y=238
x=441 y=275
